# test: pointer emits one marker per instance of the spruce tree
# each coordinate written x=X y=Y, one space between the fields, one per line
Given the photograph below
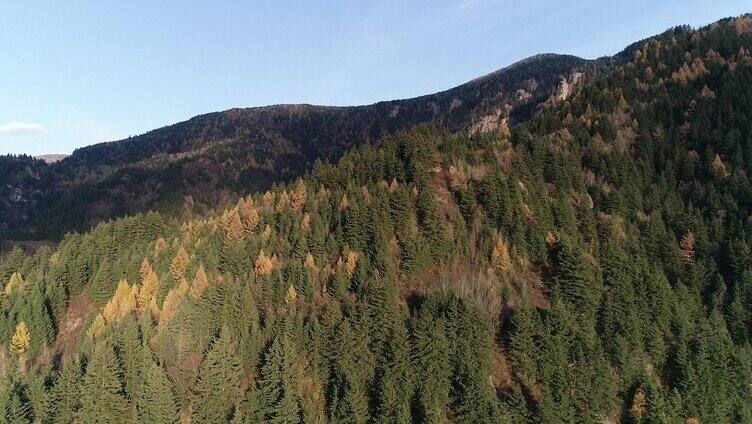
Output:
x=66 y=399
x=217 y=387
x=156 y=403
x=102 y=398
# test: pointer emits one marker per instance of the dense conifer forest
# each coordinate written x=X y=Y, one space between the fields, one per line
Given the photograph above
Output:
x=590 y=265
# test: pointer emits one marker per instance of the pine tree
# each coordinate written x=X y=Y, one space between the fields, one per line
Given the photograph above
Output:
x=129 y=354
x=66 y=399
x=102 y=399
x=156 y=403
x=218 y=381
x=278 y=388
x=576 y=280
x=433 y=368
x=104 y=283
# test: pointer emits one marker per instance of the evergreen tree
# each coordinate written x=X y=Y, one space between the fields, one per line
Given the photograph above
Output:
x=156 y=403
x=102 y=397
x=66 y=393
x=218 y=381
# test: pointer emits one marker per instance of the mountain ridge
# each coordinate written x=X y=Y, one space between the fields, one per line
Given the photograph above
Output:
x=589 y=265
x=268 y=144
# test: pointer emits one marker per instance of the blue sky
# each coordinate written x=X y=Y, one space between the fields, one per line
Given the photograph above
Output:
x=82 y=72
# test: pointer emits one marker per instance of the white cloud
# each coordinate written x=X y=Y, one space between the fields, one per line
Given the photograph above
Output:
x=17 y=128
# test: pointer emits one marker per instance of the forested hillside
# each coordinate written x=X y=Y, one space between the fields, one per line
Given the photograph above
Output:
x=589 y=265
x=206 y=161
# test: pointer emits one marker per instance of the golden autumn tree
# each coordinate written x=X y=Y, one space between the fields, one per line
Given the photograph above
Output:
x=551 y=239
x=15 y=281
x=264 y=265
x=310 y=262
x=719 y=168
x=171 y=302
x=504 y=130
x=21 y=340
x=149 y=284
x=266 y=233
x=500 y=258
x=97 y=326
x=687 y=247
x=159 y=246
x=283 y=202
x=292 y=295
x=344 y=203
x=639 y=404
x=145 y=268
x=250 y=219
x=122 y=302
x=298 y=196
x=200 y=282
x=352 y=262
x=179 y=264
x=269 y=198
x=234 y=230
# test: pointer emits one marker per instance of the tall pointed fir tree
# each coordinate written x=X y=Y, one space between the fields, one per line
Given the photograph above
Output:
x=156 y=402
x=217 y=387
x=102 y=398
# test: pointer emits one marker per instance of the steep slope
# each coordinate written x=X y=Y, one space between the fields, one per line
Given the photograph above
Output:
x=23 y=183
x=593 y=265
x=208 y=159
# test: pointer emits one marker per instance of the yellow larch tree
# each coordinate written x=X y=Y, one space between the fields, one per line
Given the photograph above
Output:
x=21 y=340
x=719 y=168
x=97 y=326
x=352 y=262
x=264 y=265
x=268 y=198
x=179 y=264
x=159 y=246
x=687 y=247
x=200 y=282
x=15 y=281
x=266 y=233
x=344 y=203
x=283 y=201
x=250 y=220
x=122 y=302
x=299 y=196
x=310 y=262
x=305 y=223
x=149 y=286
x=234 y=230
x=500 y=258
x=639 y=403
x=171 y=302
x=292 y=295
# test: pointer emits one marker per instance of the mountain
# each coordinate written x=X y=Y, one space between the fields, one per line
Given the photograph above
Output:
x=51 y=158
x=210 y=159
x=591 y=264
